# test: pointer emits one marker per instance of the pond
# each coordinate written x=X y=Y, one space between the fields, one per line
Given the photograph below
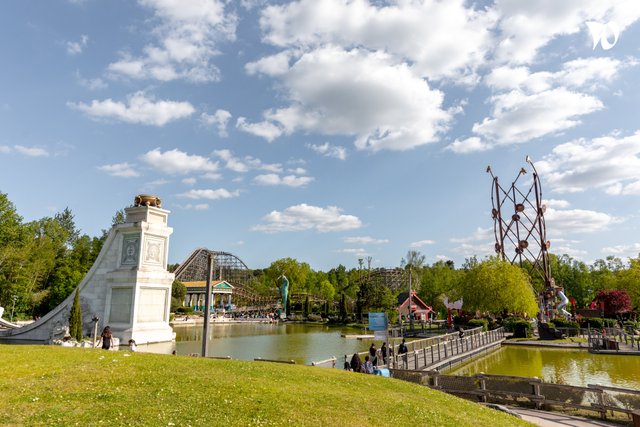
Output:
x=564 y=366
x=303 y=343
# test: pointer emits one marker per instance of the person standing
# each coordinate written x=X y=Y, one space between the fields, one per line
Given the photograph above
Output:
x=107 y=338
x=402 y=348
x=383 y=351
x=373 y=354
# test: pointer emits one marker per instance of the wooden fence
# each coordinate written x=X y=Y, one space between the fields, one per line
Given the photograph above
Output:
x=529 y=392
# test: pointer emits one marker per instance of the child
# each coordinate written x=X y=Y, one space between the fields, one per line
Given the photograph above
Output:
x=132 y=346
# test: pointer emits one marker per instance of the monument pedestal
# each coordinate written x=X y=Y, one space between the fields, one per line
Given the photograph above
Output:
x=128 y=287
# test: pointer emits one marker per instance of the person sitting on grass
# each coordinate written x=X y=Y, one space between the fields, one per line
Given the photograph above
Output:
x=368 y=366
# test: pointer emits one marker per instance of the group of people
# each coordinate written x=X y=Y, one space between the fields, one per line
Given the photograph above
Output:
x=373 y=359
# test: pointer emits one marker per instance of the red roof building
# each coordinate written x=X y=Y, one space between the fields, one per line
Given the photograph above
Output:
x=419 y=308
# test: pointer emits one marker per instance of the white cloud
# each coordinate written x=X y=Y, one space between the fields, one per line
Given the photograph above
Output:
x=242 y=165
x=91 y=84
x=288 y=180
x=590 y=72
x=187 y=35
x=306 y=217
x=421 y=243
x=533 y=105
x=31 y=151
x=220 y=119
x=176 y=162
x=481 y=249
x=468 y=145
x=567 y=221
x=272 y=65
x=383 y=104
x=609 y=163
x=525 y=27
x=519 y=117
x=630 y=250
x=217 y=194
x=556 y=203
x=264 y=129
x=138 y=109
x=479 y=234
x=329 y=150
x=196 y=207
x=75 y=48
x=5 y=149
x=438 y=38
x=365 y=240
x=123 y=170
x=358 y=252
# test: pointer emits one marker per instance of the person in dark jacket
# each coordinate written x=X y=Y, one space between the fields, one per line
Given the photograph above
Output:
x=383 y=351
x=356 y=363
x=402 y=348
x=373 y=354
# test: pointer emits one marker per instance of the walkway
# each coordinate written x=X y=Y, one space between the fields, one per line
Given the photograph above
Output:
x=554 y=419
x=448 y=349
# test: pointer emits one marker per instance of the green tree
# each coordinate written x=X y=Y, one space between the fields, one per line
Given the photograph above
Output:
x=438 y=280
x=629 y=280
x=75 y=318
x=496 y=286
x=178 y=294
x=296 y=272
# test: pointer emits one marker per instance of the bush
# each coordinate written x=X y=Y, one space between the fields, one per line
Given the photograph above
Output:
x=184 y=310
x=314 y=318
x=521 y=328
x=597 y=323
x=561 y=322
x=474 y=323
x=507 y=323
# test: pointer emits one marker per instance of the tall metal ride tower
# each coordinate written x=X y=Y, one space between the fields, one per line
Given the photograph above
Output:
x=519 y=226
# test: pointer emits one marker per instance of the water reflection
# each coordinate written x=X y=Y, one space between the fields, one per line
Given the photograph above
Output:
x=300 y=342
x=574 y=367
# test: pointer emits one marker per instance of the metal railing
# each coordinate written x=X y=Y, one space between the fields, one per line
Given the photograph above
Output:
x=448 y=348
x=612 y=339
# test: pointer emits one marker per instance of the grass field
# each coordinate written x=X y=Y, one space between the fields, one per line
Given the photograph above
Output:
x=56 y=386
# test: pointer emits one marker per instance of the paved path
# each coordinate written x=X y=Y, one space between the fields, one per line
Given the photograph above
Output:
x=550 y=419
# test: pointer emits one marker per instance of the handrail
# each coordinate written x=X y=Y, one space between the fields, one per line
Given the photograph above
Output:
x=477 y=387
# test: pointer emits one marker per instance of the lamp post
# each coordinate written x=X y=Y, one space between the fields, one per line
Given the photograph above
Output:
x=410 y=308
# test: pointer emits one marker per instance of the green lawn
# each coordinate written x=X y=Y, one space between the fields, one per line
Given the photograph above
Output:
x=56 y=386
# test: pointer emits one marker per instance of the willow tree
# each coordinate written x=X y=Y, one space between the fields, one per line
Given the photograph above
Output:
x=495 y=286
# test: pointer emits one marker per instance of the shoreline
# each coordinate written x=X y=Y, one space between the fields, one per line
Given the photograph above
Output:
x=533 y=343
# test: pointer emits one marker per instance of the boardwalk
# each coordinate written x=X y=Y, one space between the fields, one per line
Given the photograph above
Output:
x=613 y=341
x=447 y=349
x=434 y=352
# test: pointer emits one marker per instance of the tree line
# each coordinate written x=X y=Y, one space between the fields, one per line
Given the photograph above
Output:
x=42 y=262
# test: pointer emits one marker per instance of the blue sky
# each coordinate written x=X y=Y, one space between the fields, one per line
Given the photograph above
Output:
x=325 y=130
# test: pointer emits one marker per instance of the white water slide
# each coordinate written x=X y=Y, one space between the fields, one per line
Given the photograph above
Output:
x=563 y=303
x=4 y=323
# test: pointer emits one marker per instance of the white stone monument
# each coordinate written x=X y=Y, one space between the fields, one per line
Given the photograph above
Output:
x=127 y=288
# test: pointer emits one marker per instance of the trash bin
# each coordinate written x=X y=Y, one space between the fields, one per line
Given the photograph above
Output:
x=612 y=345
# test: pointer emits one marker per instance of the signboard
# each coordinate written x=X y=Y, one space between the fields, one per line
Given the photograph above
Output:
x=377 y=321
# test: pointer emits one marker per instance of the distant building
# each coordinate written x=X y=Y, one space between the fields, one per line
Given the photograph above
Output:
x=419 y=308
